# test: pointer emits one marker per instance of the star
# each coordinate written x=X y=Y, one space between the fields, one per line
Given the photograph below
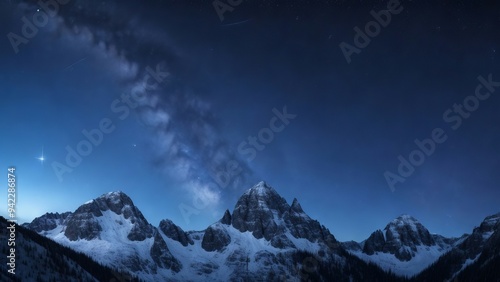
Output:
x=41 y=158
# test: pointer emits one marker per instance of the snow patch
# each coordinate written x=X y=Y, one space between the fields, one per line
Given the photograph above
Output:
x=424 y=257
x=112 y=243
x=487 y=235
x=466 y=263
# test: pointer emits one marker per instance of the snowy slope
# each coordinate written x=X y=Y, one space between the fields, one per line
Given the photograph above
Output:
x=405 y=248
x=474 y=257
x=102 y=228
x=107 y=229
x=424 y=256
x=231 y=262
x=263 y=239
x=41 y=259
x=111 y=244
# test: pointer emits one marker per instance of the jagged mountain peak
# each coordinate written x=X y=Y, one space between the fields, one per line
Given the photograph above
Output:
x=86 y=222
x=296 y=207
x=262 y=183
x=174 y=232
x=261 y=189
x=404 y=219
x=48 y=221
x=117 y=202
x=261 y=197
x=492 y=219
x=114 y=201
x=116 y=197
x=226 y=219
x=283 y=233
x=263 y=212
x=408 y=231
x=259 y=210
x=473 y=258
x=406 y=224
x=480 y=234
x=405 y=246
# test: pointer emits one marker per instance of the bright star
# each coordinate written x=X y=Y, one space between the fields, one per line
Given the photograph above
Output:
x=41 y=158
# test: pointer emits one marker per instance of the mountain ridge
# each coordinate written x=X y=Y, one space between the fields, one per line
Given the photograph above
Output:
x=264 y=234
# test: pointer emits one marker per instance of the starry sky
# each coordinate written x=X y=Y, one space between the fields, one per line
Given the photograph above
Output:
x=362 y=110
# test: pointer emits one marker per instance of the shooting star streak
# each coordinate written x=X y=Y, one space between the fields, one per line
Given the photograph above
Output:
x=77 y=62
x=240 y=22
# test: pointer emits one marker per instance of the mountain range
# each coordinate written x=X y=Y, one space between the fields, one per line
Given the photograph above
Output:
x=263 y=239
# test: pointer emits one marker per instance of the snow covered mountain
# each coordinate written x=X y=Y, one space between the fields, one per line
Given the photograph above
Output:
x=48 y=222
x=475 y=257
x=40 y=259
x=114 y=232
x=255 y=241
x=263 y=239
x=264 y=213
x=405 y=248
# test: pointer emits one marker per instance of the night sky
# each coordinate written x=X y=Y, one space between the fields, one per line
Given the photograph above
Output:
x=184 y=105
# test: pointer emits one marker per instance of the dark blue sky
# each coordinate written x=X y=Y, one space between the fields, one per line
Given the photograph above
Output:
x=352 y=120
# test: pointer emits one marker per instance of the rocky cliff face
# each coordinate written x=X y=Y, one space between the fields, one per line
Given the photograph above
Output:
x=405 y=246
x=227 y=218
x=41 y=259
x=474 y=257
x=476 y=242
x=48 y=221
x=215 y=238
x=263 y=237
x=174 y=232
x=113 y=231
x=260 y=210
x=302 y=226
x=264 y=213
x=374 y=243
x=402 y=236
x=161 y=254
x=84 y=223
